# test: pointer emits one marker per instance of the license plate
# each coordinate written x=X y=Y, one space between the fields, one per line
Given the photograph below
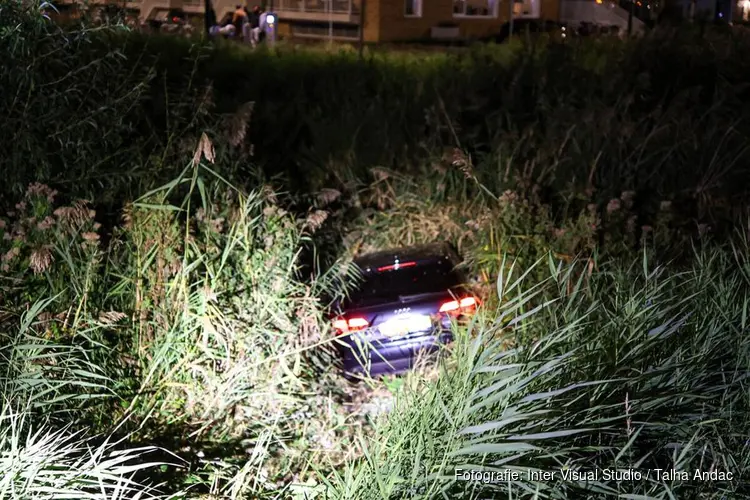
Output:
x=405 y=325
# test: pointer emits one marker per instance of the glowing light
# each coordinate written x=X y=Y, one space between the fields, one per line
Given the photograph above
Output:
x=271 y=19
x=459 y=306
x=343 y=326
x=396 y=266
x=405 y=325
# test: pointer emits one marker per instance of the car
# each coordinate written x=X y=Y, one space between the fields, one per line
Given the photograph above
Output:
x=403 y=303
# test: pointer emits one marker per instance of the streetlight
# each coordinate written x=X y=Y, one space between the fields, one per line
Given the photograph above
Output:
x=271 y=21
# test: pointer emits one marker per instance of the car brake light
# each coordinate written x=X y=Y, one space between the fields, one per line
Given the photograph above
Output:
x=358 y=323
x=468 y=302
x=340 y=325
x=396 y=266
x=449 y=306
x=351 y=325
x=459 y=306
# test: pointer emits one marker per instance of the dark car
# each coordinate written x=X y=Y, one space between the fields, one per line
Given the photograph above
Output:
x=401 y=305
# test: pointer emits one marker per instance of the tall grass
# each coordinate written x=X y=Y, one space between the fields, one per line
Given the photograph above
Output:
x=163 y=328
x=192 y=328
x=638 y=368
x=217 y=298
x=45 y=449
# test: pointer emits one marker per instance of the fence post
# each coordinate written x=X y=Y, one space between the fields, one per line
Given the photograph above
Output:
x=630 y=18
x=510 y=19
x=361 y=27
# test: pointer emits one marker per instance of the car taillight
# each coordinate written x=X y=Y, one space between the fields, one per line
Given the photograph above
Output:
x=358 y=323
x=351 y=325
x=461 y=306
x=397 y=266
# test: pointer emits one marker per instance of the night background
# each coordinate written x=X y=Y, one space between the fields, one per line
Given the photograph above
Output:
x=178 y=212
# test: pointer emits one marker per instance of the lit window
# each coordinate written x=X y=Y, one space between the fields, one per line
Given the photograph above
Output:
x=482 y=8
x=413 y=8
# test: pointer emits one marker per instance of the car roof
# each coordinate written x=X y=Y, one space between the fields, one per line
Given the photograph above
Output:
x=430 y=252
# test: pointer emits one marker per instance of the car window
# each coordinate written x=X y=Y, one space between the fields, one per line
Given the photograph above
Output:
x=390 y=285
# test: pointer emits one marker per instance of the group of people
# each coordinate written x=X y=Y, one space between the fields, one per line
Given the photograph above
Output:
x=250 y=24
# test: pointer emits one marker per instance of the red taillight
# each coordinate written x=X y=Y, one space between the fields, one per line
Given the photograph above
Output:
x=449 y=306
x=358 y=323
x=352 y=325
x=396 y=266
x=468 y=303
x=461 y=306
x=340 y=325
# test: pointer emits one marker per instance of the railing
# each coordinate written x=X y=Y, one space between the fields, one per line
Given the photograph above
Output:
x=639 y=11
x=317 y=6
x=601 y=13
x=339 y=33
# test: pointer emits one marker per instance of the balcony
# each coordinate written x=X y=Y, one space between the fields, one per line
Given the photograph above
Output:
x=129 y=4
x=341 y=12
x=333 y=11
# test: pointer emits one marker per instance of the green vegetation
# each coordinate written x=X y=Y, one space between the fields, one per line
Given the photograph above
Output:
x=175 y=215
x=627 y=369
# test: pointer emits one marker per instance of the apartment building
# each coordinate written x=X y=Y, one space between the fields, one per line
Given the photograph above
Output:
x=393 y=20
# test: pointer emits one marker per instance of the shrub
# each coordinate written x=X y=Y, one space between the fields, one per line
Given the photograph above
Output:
x=48 y=391
x=194 y=323
x=42 y=246
x=574 y=119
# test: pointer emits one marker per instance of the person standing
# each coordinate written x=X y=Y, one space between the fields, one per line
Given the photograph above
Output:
x=246 y=25
x=226 y=28
x=254 y=24
x=210 y=18
x=263 y=25
x=238 y=19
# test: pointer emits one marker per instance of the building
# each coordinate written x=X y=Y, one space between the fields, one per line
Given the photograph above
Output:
x=402 y=20
x=394 y=20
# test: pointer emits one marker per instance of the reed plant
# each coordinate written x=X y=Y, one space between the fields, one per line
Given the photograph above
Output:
x=191 y=329
x=631 y=369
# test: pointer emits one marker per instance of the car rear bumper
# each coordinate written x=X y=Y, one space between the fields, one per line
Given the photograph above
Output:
x=390 y=357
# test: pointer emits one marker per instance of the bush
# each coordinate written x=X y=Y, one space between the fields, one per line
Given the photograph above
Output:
x=49 y=389
x=578 y=120
x=191 y=328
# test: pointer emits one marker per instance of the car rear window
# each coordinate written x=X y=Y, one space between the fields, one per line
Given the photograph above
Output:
x=407 y=281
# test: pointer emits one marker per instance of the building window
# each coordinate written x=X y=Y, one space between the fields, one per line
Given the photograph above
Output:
x=528 y=9
x=413 y=8
x=479 y=8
